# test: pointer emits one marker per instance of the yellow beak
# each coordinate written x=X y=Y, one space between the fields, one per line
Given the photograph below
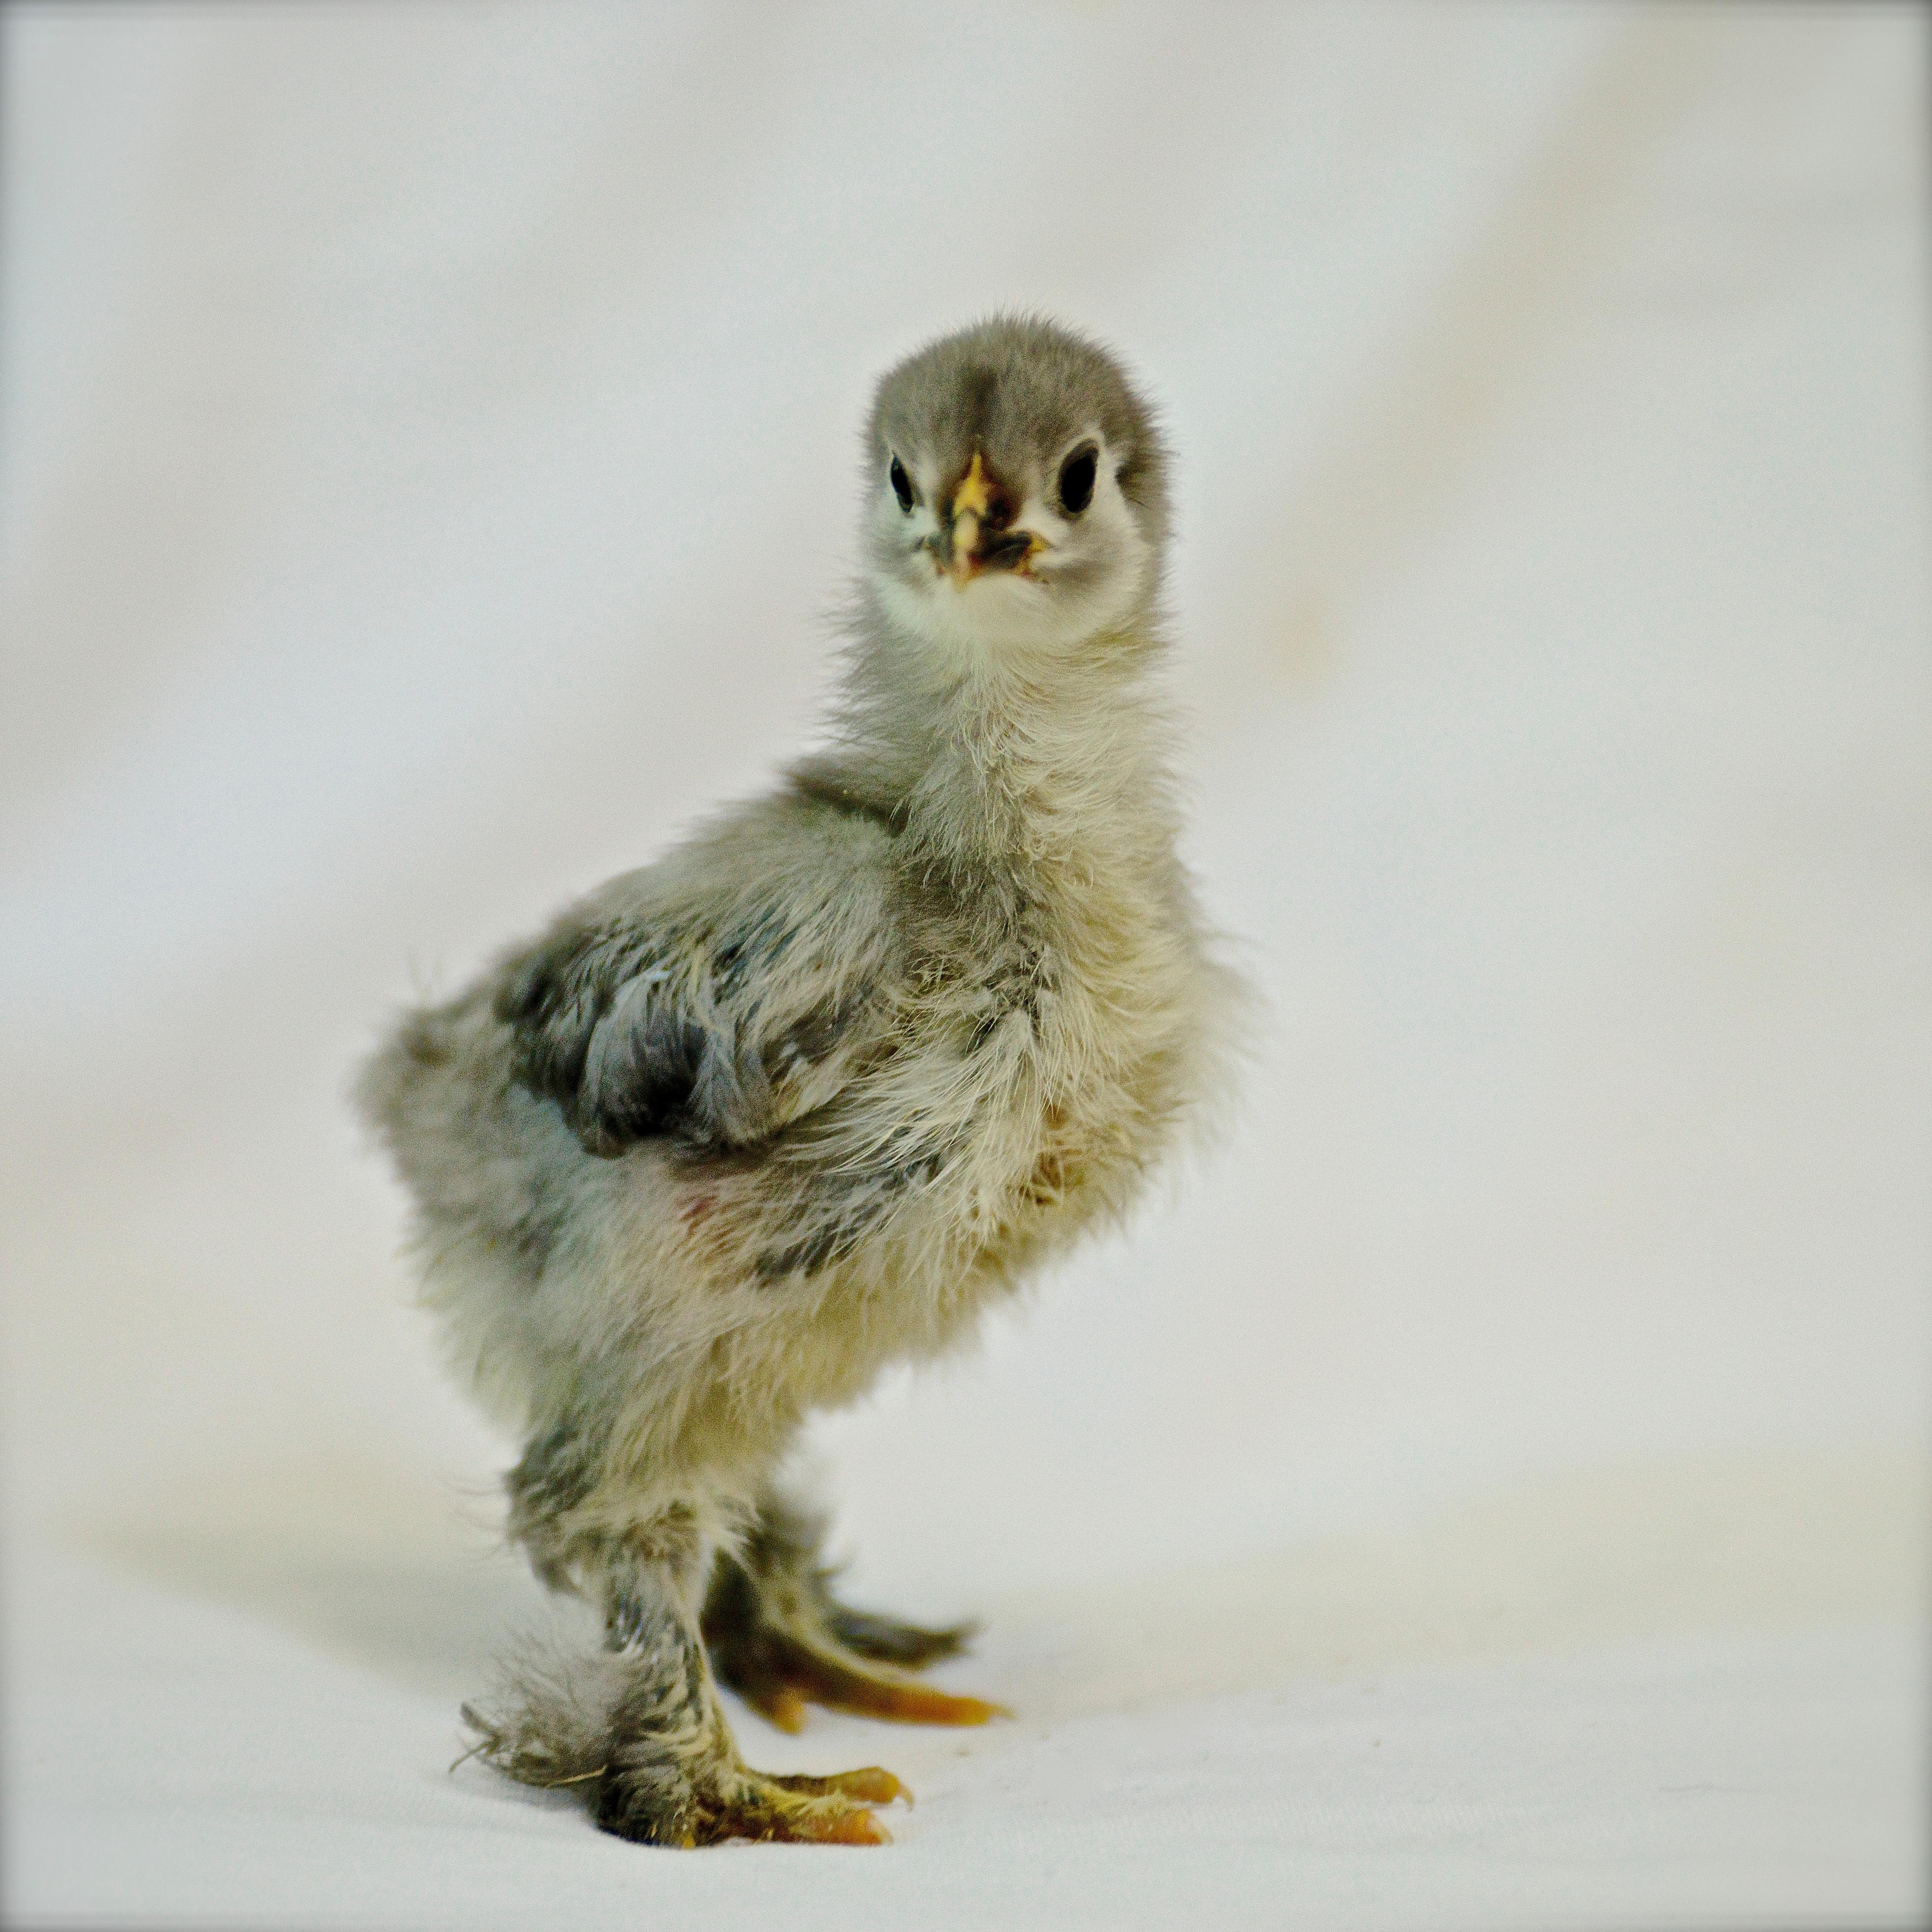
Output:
x=973 y=494
x=971 y=502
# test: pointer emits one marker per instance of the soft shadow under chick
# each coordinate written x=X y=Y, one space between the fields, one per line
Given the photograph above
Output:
x=804 y=1097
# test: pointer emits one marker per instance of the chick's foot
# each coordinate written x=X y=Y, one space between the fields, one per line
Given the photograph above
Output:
x=777 y=1635
x=637 y=1802
x=778 y=1676
x=887 y=1640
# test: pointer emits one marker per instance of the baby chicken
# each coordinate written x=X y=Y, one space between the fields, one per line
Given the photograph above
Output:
x=805 y=1096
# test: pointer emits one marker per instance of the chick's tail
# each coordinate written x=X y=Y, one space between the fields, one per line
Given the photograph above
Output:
x=479 y=1155
x=407 y=1089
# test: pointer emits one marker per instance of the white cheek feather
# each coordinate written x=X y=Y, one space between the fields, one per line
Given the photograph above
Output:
x=1106 y=529
x=900 y=529
x=1007 y=611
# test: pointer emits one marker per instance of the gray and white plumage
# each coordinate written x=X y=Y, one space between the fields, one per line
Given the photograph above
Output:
x=805 y=1097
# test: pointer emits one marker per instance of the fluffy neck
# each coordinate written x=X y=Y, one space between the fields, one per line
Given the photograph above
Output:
x=1013 y=764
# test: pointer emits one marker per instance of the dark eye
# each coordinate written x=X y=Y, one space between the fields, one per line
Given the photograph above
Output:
x=902 y=485
x=1076 y=481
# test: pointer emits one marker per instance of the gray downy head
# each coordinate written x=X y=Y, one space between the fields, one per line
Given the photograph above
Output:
x=1015 y=499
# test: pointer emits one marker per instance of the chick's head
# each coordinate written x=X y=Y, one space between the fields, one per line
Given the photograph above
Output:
x=1016 y=493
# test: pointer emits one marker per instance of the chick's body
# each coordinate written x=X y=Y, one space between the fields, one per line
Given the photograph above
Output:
x=798 y=1100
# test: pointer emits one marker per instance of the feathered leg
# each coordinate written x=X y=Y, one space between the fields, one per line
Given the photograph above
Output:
x=673 y=1774
x=780 y=1639
x=640 y=1728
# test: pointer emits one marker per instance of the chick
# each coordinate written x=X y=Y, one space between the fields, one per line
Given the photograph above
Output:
x=807 y=1096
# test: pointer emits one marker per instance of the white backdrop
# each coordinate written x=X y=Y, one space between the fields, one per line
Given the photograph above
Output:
x=1493 y=1489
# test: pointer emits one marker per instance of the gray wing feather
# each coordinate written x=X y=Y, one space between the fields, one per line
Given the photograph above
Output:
x=698 y=999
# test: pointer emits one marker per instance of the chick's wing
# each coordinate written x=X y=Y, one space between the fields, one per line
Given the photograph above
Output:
x=718 y=995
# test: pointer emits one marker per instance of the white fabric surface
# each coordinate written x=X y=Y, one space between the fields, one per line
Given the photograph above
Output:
x=1493 y=1490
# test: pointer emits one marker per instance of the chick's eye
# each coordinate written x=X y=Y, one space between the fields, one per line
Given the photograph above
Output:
x=1076 y=481
x=902 y=485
